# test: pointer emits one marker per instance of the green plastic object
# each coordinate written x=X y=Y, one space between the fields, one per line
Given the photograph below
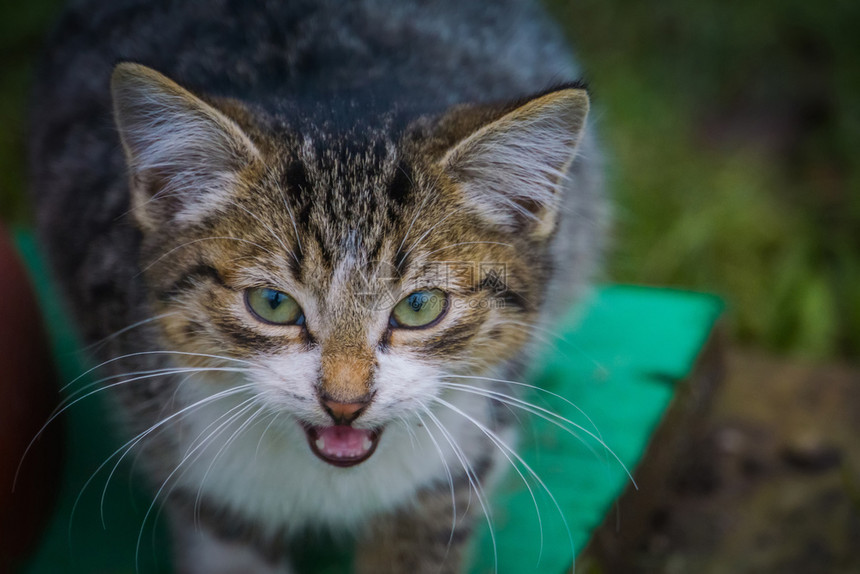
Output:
x=618 y=359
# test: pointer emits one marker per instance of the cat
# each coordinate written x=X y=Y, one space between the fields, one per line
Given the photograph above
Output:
x=310 y=242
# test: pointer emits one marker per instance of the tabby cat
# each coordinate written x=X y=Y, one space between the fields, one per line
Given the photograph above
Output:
x=313 y=240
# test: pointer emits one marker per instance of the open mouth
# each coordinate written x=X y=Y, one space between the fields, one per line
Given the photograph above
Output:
x=342 y=445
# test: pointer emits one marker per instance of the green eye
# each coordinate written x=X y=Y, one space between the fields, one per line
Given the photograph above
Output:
x=419 y=309
x=272 y=306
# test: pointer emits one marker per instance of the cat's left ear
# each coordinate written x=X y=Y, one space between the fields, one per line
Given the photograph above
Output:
x=512 y=169
x=183 y=154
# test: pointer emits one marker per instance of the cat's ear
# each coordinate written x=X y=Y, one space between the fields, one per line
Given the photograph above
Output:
x=512 y=169
x=184 y=155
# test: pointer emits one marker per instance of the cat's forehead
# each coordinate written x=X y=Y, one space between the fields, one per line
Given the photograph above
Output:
x=356 y=214
x=345 y=197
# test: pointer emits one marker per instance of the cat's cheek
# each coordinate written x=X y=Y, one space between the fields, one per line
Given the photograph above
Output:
x=287 y=383
x=502 y=337
x=404 y=384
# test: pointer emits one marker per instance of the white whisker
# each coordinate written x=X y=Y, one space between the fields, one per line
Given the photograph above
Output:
x=93 y=346
x=60 y=410
x=227 y=443
x=275 y=415
x=412 y=437
x=474 y=481
x=159 y=352
x=450 y=480
x=193 y=241
x=247 y=404
x=129 y=445
x=534 y=388
x=547 y=415
x=504 y=447
x=140 y=375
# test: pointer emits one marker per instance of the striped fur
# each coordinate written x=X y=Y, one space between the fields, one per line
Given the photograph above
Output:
x=345 y=154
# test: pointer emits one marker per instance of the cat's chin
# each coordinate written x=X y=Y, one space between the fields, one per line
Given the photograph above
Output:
x=342 y=445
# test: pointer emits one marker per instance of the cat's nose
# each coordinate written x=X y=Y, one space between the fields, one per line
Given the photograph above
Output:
x=343 y=413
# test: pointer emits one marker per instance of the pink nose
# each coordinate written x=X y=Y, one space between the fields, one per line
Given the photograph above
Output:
x=345 y=413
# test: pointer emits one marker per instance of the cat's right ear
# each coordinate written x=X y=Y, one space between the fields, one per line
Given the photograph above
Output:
x=512 y=167
x=184 y=156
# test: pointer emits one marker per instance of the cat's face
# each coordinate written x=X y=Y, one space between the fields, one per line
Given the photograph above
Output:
x=350 y=277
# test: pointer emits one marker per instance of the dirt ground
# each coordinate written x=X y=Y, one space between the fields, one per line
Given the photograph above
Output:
x=769 y=483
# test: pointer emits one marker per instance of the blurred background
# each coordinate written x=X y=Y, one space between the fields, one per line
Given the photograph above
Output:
x=730 y=130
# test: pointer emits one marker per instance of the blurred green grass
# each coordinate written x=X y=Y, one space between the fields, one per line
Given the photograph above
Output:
x=730 y=130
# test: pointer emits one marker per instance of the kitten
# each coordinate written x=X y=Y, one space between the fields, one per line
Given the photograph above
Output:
x=313 y=239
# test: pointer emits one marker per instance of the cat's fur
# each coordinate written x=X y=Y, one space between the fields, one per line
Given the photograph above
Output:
x=319 y=148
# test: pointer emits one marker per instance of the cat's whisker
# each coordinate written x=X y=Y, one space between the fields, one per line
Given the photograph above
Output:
x=511 y=403
x=471 y=475
x=275 y=416
x=158 y=352
x=161 y=426
x=448 y=475
x=171 y=404
x=533 y=388
x=198 y=240
x=140 y=375
x=201 y=450
x=173 y=397
x=528 y=487
x=412 y=437
x=194 y=444
x=541 y=338
x=94 y=346
x=242 y=427
x=503 y=447
x=244 y=406
x=201 y=444
x=547 y=415
x=61 y=409
x=74 y=398
x=535 y=326
x=129 y=445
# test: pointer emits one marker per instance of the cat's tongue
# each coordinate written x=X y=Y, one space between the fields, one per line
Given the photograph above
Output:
x=342 y=445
